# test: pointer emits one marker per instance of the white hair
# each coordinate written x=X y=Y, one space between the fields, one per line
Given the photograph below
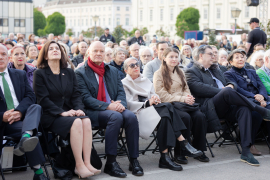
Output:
x=182 y=52
x=10 y=34
x=107 y=49
x=144 y=48
x=109 y=42
x=266 y=54
x=222 y=52
x=255 y=57
x=96 y=38
x=126 y=62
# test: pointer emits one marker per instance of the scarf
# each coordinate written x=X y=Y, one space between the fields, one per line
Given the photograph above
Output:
x=100 y=70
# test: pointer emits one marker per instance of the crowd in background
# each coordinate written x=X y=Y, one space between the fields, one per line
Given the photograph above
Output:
x=190 y=84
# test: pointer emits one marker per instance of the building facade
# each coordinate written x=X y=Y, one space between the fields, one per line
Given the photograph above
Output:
x=79 y=13
x=214 y=14
x=16 y=16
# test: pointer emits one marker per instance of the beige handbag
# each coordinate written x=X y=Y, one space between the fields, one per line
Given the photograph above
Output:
x=148 y=119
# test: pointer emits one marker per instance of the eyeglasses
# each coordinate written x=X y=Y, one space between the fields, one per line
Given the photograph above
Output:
x=210 y=54
x=144 y=56
x=132 y=65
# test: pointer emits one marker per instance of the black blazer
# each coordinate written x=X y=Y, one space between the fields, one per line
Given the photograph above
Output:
x=23 y=91
x=55 y=98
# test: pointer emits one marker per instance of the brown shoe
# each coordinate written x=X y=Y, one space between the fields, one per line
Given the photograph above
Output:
x=255 y=151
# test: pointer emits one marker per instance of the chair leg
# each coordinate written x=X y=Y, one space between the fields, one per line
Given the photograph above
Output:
x=233 y=137
x=265 y=139
x=209 y=148
x=2 y=174
x=124 y=145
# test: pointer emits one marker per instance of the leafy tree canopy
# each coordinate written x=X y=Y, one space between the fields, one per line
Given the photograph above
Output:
x=39 y=21
x=55 y=24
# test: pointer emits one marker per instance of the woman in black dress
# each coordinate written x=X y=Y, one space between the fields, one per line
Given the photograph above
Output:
x=56 y=89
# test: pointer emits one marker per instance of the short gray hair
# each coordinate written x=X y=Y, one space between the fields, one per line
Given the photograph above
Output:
x=144 y=49
x=126 y=62
x=119 y=49
x=222 y=52
x=108 y=49
x=202 y=48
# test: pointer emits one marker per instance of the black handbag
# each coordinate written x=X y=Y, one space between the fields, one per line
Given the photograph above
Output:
x=186 y=107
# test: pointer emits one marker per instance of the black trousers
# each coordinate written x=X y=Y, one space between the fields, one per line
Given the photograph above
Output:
x=170 y=126
x=196 y=123
x=29 y=123
x=228 y=103
x=112 y=121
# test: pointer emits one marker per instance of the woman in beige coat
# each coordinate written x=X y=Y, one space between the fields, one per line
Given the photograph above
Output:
x=171 y=86
x=140 y=93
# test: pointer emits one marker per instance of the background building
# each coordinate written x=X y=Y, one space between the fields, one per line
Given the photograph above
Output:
x=16 y=16
x=215 y=14
x=79 y=13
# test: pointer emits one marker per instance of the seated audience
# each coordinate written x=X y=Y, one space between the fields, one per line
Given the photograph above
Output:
x=186 y=55
x=171 y=86
x=119 y=57
x=32 y=54
x=9 y=45
x=223 y=55
x=146 y=55
x=108 y=55
x=57 y=92
x=249 y=85
x=105 y=102
x=264 y=72
x=134 y=52
x=31 y=39
x=20 y=115
x=217 y=96
x=153 y=46
x=140 y=93
x=19 y=62
x=151 y=67
x=109 y=44
x=123 y=44
x=115 y=45
x=234 y=45
x=257 y=60
x=216 y=58
x=82 y=47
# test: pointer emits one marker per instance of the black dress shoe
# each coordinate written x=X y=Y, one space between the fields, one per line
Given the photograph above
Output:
x=114 y=169
x=136 y=169
x=202 y=158
x=40 y=177
x=180 y=159
x=166 y=162
x=26 y=144
x=188 y=150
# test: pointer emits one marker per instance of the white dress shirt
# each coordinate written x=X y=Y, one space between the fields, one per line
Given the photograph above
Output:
x=11 y=88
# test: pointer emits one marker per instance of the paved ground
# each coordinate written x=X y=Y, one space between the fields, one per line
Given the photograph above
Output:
x=225 y=165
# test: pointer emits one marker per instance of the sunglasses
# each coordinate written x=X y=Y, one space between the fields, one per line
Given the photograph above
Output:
x=132 y=65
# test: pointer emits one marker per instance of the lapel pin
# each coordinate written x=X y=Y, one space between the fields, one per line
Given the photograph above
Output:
x=63 y=74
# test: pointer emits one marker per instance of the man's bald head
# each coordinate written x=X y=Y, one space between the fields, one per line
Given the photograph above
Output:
x=97 y=52
x=4 y=48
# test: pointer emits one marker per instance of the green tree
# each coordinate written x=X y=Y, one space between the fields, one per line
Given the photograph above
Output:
x=144 y=31
x=69 y=32
x=39 y=21
x=41 y=32
x=55 y=24
x=212 y=38
x=118 y=34
x=90 y=32
x=161 y=32
x=187 y=19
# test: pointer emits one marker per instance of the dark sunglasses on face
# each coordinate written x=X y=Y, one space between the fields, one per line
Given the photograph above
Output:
x=132 y=65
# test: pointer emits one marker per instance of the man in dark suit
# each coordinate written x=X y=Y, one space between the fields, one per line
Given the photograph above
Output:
x=105 y=102
x=19 y=115
x=219 y=100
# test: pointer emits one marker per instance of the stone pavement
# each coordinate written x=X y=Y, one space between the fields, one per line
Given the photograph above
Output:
x=225 y=165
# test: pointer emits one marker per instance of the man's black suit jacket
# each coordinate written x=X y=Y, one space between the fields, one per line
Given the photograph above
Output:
x=23 y=91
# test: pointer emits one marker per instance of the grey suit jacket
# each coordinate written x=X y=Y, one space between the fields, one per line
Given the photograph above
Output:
x=150 y=68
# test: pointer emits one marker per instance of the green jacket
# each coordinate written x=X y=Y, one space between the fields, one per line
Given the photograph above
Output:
x=265 y=79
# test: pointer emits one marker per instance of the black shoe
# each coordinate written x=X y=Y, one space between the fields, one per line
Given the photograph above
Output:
x=188 y=150
x=26 y=144
x=136 y=169
x=114 y=169
x=202 y=158
x=180 y=159
x=40 y=177
x=166 y=162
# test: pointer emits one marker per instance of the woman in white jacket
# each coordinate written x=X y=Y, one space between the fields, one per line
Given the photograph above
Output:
x=140 y=93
